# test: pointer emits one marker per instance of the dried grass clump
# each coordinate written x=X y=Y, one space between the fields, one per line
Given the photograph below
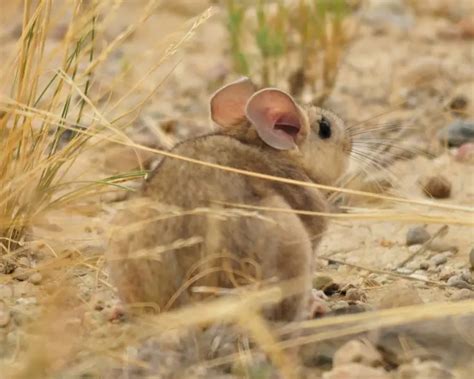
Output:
x=39 y=113
x=48 y=115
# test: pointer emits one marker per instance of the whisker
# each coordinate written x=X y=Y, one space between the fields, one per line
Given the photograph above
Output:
x=374 y=124
x=370 y=161
x=379 y=114
x=381 y=128
x=409 y=149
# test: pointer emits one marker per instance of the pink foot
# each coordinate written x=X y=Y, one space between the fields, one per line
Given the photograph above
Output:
x=318 y=305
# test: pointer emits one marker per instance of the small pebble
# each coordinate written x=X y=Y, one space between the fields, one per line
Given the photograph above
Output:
x=456 y=281
x=413 y=265
x=446 y=273
x=417 y=235
x=357 y=351
x=23 y=261
x=356 y=371
x=36 y=278
x=424 y=265
x=459 y=103
x=471 y=258
x=466 y=275
x=442 y=247
x=21 y=274
x=438 y=187
x=457 y=133
x=4 y=315
x=404 y=270
x=462 y=294
x=439 y=259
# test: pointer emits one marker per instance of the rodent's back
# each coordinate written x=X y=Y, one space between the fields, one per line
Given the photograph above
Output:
x=186 y=184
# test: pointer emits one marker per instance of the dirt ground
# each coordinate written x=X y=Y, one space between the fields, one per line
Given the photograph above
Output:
x=405 y=71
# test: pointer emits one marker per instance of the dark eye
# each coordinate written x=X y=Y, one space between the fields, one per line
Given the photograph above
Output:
x=324 y=128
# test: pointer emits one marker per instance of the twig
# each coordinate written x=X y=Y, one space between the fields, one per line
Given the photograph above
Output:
x=441 y=231
x=389 y=273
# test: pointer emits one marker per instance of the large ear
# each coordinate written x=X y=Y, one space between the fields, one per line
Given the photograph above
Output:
x=277 y=118
x=228 y=103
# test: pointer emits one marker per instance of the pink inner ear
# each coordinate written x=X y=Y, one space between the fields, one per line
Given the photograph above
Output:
x=289 y=124
x=276 y=118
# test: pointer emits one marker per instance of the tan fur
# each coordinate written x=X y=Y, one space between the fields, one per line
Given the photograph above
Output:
x=239 y=248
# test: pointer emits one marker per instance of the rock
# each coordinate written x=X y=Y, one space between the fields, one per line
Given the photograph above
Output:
x=446 y=273
x=437 y=186
x=423 y=370
x=356 y=371
x=420 y=276
x=466 y=275
x=459 y=103
x=21 y=274
x=462 y=294
x=400 y=296
x=4 y=315
x=424 y=265
x=7 y=267
x=441 y=246
x=417 y=236
x=36 y=278
x=439 y=259
x=23 y=262
x=457 y=133
x=404 y=270
x=458 y=282
x=471 y=258
x=357 y=351
x=465 y=153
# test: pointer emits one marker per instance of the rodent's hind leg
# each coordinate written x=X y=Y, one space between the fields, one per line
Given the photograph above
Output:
x=290 y=257
x=145 y=277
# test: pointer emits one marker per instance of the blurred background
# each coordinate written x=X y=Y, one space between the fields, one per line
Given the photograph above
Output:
x=92 y=91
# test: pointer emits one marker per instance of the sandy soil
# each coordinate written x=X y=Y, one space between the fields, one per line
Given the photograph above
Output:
x=409 y=74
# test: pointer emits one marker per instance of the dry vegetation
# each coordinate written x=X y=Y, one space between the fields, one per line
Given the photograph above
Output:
x=93 y=92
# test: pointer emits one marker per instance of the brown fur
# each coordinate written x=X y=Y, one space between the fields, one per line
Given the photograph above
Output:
x=239 y=248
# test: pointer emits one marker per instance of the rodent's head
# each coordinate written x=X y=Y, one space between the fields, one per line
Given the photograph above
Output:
x=315 y=137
